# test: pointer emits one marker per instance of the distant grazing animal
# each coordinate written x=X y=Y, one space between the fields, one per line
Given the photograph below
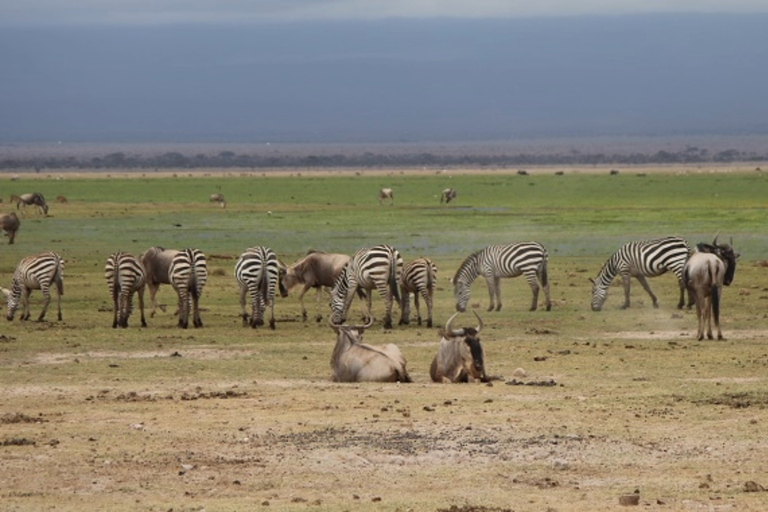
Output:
x=315 y=270
x=378 y=267
x=188 y=274
x=219 y=198
x=418 y=278
x=258 y=274
x=61 y=199
x=497 y=261
x=709 y=268
x=125 y=276
x=641 y=259
x=353 y=361
x=34 y=198
x=448 y=195
x=37 y=272
x=386 y=193
x=10 y=223
x=157 y=262
x=460 y=356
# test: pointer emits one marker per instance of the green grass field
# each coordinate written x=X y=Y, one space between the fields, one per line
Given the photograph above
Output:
x=630 y=382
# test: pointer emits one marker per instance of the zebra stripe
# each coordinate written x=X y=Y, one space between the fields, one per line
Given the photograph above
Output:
x=36 y=272
x=378 y=267
x=641 y=259
x=497 y=261
x=418 y=278
x=258 y=273
x=188 y=274
x=125 y=276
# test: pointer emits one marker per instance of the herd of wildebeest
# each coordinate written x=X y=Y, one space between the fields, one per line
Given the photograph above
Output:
x=701 y=271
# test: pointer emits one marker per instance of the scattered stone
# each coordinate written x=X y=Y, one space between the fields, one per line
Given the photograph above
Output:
x=753 y=486
x=629 y=500
x=520 y=373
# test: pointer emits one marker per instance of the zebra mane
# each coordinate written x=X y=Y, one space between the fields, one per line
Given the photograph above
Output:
x=468 y=267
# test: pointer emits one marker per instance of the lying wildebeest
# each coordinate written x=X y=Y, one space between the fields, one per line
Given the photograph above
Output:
x=353 y=361
x=219 y=198
x=448 y=195
x=315 y=270
x=460 y=356
x=10 y=223
x=709 y=268
x=386 y=193
x=34 y=198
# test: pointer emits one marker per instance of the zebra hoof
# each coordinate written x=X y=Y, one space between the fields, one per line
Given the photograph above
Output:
x=272 y=324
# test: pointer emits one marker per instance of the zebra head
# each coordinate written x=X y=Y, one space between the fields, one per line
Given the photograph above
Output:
x=599 y=295
x=461 y=292
x=12 y=297
x=339 y=297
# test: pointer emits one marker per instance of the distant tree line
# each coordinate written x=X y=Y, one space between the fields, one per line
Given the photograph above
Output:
x=230 y=160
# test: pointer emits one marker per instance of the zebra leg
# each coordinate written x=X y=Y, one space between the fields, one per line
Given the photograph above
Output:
x=428 y=300
x=647 y=288
x=115 y=309
x=405 y=309
x=141 y=307
x=196 y=320
x=25 y=304
x=243 y=311
x=272 y=315
x=418 y=308
x=533 y=283
x=46 y=302
x=301 y=300
x=625 y=283
x=497 y=289
x=183 y=307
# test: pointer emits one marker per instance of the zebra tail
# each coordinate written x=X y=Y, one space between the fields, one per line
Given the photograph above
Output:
x=544 y=273
x=393 y=284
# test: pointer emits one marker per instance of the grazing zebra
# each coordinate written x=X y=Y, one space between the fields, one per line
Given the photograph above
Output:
x=188 y=273
x=258 y=273
x=386 y=193
x=36 y=272
x=34 y=198
x=125 y=276
x=641 y=259
x=497 y=261
x=378 y=267
x=418 y=277
x=157 y=261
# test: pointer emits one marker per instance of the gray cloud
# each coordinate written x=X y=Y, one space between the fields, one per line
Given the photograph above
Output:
x=140 y=12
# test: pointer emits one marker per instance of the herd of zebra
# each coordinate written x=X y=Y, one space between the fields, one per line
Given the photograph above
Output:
x=260 y=274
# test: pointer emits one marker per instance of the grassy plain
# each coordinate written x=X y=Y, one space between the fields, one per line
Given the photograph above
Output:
x=229 y=418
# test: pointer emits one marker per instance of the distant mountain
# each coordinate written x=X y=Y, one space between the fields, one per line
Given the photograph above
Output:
x=394 y=80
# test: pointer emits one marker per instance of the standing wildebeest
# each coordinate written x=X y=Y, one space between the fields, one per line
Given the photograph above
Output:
x=641 y=259
x=219 y=198
x=9 y=222
x=418 y=277
x=448 y=195
x=34 y=198
x=353 y=361
x=258 y=273
x=497 y=261
x=157 y=261
x=188 y=274
x=386 y=193
x=36 y=272
x=460 y=355
x=378 y=267
x=125 y=276
x=705 y=273
x=315 y=270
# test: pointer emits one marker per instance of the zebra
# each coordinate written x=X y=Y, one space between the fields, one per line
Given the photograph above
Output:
x=37 y=272
x=642 y=259
x=188 y=274
x=418 y=277
x=497 y=261
x=259 y=272
x=376 y=267
x=125 y=276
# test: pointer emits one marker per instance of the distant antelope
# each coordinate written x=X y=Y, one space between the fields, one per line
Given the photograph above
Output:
x=386 y=193
x=219 y=198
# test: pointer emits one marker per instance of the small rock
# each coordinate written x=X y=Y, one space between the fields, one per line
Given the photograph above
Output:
x=629 y=500
x=752 y=486
x=520 y=373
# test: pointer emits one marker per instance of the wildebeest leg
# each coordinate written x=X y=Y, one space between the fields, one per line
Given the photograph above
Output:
x=647 y=288
x=405 y=306
x=301 y=300
x=700 y=305
x=153 y=287
x=319 y=316
x=716 y=291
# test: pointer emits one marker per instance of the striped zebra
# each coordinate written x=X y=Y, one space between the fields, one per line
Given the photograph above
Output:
x=377 y=267
x=418 y=277
x=641 y=259
x=259 y=273
x=36 y=272
x=497 y=261
x=125 y=276
x=188 y=273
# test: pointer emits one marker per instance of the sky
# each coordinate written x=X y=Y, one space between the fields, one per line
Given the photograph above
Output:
x=383 y=71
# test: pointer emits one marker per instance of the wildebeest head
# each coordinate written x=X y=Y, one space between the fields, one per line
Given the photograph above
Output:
x=726 y=253
x=281 y=274
x=471 y=338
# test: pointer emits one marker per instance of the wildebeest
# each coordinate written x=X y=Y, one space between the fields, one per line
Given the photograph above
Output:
x=35 y=198
x=315 y=270
x=386 y=193
x=353 y=361
x=9 y=222
x=448 y=195
x=708 y=269
x=460 y=356
x=157 y=261
x=418 y=278
x=219 y=198
x=37 y=272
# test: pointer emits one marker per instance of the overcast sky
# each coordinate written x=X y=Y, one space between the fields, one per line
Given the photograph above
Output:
x=62 y=12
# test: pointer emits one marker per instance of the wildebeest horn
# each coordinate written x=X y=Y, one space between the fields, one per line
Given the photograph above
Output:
x=332 y=325
x=367 y=324
x=479 y=327
x=714 y=242
x=449 y=323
